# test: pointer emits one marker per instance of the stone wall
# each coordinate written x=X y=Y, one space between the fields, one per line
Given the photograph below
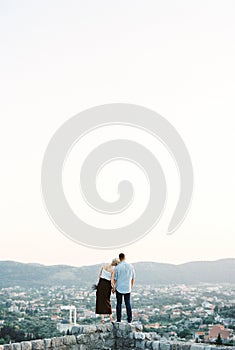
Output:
x=120 y=336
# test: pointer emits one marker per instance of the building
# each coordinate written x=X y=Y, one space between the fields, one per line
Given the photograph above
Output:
x=216 y=330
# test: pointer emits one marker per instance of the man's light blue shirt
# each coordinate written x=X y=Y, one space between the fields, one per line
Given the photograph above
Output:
x=124 y=273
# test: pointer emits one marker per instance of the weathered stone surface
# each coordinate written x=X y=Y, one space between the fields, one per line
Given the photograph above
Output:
x=89 y=329
x=8 y=347
x=185 y=346
x=98 y=344
x=124 y=327
x=83 y=347
x=16 y=346
x=148 y=344
x=83 y=339
x=37 y=344
x=101 y=328
x=47 y=343
x=138 y=327
x=197 y=347
x=165 y=346
x=140 y=344
x=120 y=336
x=109 y=343
x=139 y=335
x=77 y=330
x=129 y=343
x=26 y=345
x=119 y=343
x=155 y=345
x=109 y=327
x=69 y=340
x=154 y=336
x=57 y=342
x=105 y=336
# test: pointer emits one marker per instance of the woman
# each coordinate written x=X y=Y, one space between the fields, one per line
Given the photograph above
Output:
x=103 y=292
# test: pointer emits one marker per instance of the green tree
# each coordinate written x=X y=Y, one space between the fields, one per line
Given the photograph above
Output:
x=219 y=340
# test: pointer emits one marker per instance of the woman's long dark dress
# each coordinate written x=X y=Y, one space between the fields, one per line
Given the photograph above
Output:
x=103 y=293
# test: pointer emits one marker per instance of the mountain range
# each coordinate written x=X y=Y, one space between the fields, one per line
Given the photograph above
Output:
x=32 y=275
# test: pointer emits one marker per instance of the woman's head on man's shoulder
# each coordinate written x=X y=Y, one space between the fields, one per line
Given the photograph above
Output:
x=115 y=262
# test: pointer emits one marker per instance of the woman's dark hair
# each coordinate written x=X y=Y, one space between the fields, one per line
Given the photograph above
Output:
x=121 y=256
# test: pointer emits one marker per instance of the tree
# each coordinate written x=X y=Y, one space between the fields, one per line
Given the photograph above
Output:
x=219 y=340
x=186 y=333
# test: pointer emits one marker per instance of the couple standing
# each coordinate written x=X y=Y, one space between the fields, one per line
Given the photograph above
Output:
x=117 y=277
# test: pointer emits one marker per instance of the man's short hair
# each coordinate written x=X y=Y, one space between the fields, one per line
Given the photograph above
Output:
x=121 y=256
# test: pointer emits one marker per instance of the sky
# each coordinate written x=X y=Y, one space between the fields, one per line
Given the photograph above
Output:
x=59 y=58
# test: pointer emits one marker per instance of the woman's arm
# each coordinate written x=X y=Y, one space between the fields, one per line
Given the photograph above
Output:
x=113 y=282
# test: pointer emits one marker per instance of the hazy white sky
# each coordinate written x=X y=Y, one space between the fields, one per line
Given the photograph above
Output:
x=175 y=57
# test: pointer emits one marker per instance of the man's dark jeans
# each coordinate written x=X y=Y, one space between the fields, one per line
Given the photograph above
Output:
x=127 y=298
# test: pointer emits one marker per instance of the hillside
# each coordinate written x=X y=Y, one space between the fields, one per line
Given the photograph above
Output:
x=15 y=273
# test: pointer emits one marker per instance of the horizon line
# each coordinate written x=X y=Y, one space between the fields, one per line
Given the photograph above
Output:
x=137 y=262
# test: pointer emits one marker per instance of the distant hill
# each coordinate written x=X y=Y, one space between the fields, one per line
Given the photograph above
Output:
x=15 y=273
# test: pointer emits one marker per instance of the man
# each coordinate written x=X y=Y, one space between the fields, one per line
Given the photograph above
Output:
x=123 y=282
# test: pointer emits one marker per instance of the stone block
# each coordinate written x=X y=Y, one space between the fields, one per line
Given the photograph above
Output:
x=165 y=346
x=109 y=343
x=37 y=344
x=152 y=336
x=124 y=327
x=16 y=346
x=89 y=329
x=69 y=340
x=139 y=335
x=57 y=342
x=96 y=336
x=138 y=327
x=72 y=347
x=148 y=336
x=26 y=345
x=7 y=347
x=140 y=344
x=119 y=343
x=109 y=327
x=98 y=344
x=129 y=343
x=119 y=334
x=101 y=328
x=82 y=347
x=197 y=347
x=207 y=347
x=148 y=344
x=47 y=343
x=83 y=339
x=77 y=330
x=155 y=345
x=185 y=346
